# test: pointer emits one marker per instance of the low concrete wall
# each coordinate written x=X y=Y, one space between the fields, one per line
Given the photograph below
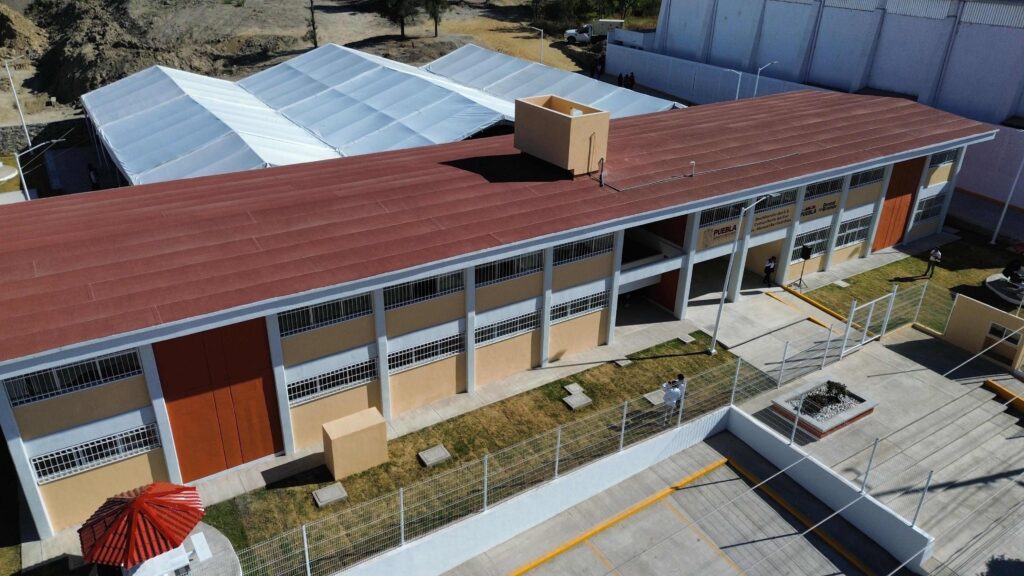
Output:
x=451 y=546
x=876 y=520
x=632 y=39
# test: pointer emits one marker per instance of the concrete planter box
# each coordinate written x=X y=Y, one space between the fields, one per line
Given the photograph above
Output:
x=822 y=428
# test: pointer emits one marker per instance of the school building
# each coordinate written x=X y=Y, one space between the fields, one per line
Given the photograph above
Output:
x=178 y=330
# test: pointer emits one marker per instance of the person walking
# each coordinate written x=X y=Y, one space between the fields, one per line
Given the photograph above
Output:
x=769 y=271
x=670 y=399
x=620 y=80
x=934 y=258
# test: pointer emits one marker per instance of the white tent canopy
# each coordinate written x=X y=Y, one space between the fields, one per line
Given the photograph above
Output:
x=509 y=78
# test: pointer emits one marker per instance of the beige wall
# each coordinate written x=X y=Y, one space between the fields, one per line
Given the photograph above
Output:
x=582 y=271
x=968 y=328
x=313 y=344
x=815 y=208
x=509 y=291
x=578 y=334
x=426 y=314
x=72 y=500
x=425 y=384
x=308 y=418
x=507 y=357
x=840 y=255
x=813 y=265
x=863 y=195
x=81 y=407
x=939 y=174
x=758 y=255
x=922 y=229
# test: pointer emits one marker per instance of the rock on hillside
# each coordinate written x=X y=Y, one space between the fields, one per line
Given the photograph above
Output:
x=19 y=35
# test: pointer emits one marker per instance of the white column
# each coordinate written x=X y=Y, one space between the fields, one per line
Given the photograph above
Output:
x=470 y=284
x=876 y=216
x=740 y=262
x=837 y=219
x=917 y=199
x=951 y=186
x=613 y=294
x=786 y=252
x=163 y=420
x=381 y=330
x=23 y=466
x=686 y=268
x=280 y=383
x=545 y=312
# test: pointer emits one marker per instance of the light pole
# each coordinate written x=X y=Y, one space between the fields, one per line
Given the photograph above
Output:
x=739 y=80
x=758 y=79
x=1009 y=196
x=728 y=271
x=541 y=30
x=17 y=161
x=16 y=100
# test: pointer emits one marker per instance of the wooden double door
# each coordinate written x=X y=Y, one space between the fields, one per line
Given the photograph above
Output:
x=899 y=200
x=219 y=390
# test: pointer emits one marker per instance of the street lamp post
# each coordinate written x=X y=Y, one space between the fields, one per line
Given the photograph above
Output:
x=728 y=271
x=541 y=30
x=758 y=79
x=739 y=80
x=17 y=161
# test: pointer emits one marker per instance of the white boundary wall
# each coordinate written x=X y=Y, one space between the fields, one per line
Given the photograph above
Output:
x=876 y=520
x=447 y=548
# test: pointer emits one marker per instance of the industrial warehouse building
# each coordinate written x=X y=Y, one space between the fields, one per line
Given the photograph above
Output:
x=181 y=329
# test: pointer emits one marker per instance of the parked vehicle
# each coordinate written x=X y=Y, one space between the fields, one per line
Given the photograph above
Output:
x=591 y=31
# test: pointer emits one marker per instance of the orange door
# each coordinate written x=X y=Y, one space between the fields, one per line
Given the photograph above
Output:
x=219 y=389
x=906 y=177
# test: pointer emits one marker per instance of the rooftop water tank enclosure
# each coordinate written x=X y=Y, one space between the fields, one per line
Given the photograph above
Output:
x=567 y=134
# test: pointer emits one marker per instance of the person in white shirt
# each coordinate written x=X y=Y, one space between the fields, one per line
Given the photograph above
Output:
x=934 y=257
x=673 y=396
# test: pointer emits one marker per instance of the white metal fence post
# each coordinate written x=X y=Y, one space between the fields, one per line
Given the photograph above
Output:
x=920 y=300
x=401 y=516
x=796 y=421
x=871 y=459
x=888 y=310
x=558 y=448
x=486 y=461
x=682 y=404
x=622 y=429
x=828 y=342
x=867 y=324
x=782 y=366
x=735 y=381
x=305 y=550
x=849 y=326
x=920 y=501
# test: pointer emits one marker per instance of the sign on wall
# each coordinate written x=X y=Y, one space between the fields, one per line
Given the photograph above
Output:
x=723 y=232
x=818 y=207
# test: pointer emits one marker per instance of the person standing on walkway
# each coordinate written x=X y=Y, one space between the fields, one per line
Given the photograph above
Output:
x=934 y=258
x=670 y=399
x=769 y=271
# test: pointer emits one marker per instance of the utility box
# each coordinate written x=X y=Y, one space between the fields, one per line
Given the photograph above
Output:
x=568 y=134
x=355 y=443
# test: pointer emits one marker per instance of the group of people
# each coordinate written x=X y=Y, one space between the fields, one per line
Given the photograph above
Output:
x=673 y=396
x=627 y=81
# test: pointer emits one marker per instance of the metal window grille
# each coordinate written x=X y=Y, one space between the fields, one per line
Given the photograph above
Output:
x=95 y=453
x=824 y=188
x=867 y=177
x=713 y=216
x=999 y=332
x=509 y=268
x=816 y=239
x=579 y=306
x=420 y=290
x=783 y=199
x=582 y=249
x=507 y=328
x=320 y=315
x=71 y=377
x=942 y=158
x=425 y=353
x=929 y=208
x=853 y=231
x=332 y=382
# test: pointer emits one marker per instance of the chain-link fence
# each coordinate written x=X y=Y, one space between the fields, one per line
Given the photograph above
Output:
x=362 y=531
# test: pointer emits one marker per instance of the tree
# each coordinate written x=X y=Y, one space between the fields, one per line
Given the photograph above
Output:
x=311 y=25
x=400 y=12
x=435 y=9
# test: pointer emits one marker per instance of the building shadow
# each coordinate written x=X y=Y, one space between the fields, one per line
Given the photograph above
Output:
x=1003 y=566
x=308 y=470
x=511 y=168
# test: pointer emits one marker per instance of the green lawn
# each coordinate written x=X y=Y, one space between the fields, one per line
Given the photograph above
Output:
x=262 y=514
x=10 y=537
x=10 y=560
x=965 y=265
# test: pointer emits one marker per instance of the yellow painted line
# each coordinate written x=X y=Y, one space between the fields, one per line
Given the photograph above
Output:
x=819 y=322
x=832 y=542
x=774 y=297
x=809 y=318
x=815 y=303
x=604 y=559
x=702 y=536
x=602 y=526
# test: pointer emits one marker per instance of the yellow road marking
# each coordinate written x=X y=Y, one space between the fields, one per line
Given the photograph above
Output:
x=810 y=318
x=832 y=543
x=602 y=526
x=815 y=303
x=604 y=559
x=819 y=322
x=702 y=536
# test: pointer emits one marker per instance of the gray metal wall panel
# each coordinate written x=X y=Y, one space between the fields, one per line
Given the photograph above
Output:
x=735 y=29
x=786 y=37
x=844 y=46
x=909 y=54
x=994 y=14
x=985 y=73
x=687 y=25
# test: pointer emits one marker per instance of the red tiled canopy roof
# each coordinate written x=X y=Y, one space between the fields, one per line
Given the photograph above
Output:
x=87 y=266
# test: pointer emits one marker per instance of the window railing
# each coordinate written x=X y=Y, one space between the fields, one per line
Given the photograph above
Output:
x=579 y=307
x=509 y=268
x=332 y=382
x=507 y=328
x=95 y=453
x=426 y=353
x=853 y=231
x=320 y=315
x=867 y=177
x=929 y=208
x=941 y=158
x=816 y=239
x=824 y=188
x=713 y=216
x=583 y=249
x=68 y=378
x=770 y=203
x=420 y=290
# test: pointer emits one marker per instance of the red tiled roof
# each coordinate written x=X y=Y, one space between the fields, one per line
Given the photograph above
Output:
x=82 y=267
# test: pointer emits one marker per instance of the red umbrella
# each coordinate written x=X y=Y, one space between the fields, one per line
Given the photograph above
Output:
x=133 y=527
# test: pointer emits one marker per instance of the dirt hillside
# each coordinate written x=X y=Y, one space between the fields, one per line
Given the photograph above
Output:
x=19 y=35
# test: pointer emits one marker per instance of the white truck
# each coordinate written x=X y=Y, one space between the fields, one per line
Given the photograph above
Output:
x=591 y=31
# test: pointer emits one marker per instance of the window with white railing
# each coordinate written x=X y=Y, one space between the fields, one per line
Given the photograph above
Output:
x=421 y=290
x=414 y=356
x=507 y=328
x=68 y=378
x=583 y=249
x=320 y=315
x=95 y=453
x=332 y=382
x=867 y=177
x=509 y=268
x=929 y=208
x=579 y=307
